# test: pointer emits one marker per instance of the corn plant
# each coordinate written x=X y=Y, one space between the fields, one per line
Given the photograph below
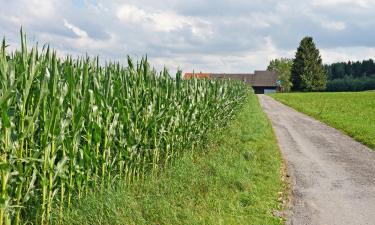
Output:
x=69 y=126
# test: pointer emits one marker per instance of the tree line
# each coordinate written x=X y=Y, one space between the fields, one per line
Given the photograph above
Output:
x=305 y=72
x=352 y=69
x=351 y=76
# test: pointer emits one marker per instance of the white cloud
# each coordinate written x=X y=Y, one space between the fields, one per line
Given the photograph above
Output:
x=342 y=54
x=360 y=3
x=170 y=21
x=162 y=20
x=40 y=8
x=131 y=13
x=76 y=30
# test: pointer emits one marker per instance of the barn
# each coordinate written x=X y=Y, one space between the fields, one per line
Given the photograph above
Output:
x=261 y=81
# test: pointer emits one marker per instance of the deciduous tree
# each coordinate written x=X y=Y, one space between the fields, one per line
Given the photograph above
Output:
x=283 y=68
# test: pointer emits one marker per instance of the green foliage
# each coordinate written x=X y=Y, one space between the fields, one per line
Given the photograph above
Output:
x=283 y=67
x=236 y=180
x=351 y=76
x=351 y=84
x=308 y=73
x=351 y=69
x=69 y=126
x=351 y=112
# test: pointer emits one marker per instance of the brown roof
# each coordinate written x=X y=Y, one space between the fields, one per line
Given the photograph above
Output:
x=265 y=78
x=257 y=79
x=235 y=76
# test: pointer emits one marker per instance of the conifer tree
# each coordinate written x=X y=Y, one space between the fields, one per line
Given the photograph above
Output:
x=308 y=73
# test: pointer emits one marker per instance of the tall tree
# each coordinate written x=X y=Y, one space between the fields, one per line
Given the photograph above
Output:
x=308 y=73
x=283 y=68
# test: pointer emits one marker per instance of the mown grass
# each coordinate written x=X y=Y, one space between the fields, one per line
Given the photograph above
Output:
x=351 y=112
x=235 y=181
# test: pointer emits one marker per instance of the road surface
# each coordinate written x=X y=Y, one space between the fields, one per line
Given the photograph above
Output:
x=332 y=175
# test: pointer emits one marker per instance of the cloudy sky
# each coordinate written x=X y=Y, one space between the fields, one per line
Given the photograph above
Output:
x=200 y=35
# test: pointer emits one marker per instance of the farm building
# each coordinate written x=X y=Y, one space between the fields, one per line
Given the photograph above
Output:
x=261 y=81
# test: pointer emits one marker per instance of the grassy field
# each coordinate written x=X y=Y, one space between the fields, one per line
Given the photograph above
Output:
x=235 y=180
x=350 y=112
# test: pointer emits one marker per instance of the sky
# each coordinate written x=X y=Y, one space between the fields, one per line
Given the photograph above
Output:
x=201 y=35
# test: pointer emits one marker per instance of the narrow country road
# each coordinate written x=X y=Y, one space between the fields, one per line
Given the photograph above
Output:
x=333 y=176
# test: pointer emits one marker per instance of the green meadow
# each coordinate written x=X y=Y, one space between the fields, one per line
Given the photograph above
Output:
x=351 y=112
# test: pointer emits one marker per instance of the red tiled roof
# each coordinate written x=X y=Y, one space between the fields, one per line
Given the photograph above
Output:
x=197 y=75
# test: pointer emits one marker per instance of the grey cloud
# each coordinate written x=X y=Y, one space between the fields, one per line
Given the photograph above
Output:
x=226 y=33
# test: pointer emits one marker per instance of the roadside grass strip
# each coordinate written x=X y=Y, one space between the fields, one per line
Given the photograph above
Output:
x=235 y=179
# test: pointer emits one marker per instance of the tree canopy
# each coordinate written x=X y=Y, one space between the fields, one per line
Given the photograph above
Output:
x=283 y=68
x=352 y=69
x=308 y=73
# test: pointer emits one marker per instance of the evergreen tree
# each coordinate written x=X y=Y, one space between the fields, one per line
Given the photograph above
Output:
x=308 y=73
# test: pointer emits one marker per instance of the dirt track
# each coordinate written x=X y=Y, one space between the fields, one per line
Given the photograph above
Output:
x=333 y=176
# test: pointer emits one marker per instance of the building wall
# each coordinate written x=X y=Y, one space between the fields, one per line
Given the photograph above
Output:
x=263 y=90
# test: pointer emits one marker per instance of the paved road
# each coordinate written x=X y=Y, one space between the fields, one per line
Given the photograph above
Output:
x=333 y=176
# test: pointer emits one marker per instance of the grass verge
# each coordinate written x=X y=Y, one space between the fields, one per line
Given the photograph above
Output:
x=351 y=112
x=235 y=180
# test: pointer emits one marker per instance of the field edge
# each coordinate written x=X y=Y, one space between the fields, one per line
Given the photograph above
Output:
x=237 y=179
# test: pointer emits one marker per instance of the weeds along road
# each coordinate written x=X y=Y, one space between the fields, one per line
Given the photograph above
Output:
x=332 y=175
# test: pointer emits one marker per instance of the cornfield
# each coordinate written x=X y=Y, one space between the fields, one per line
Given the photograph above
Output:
x=70 y=126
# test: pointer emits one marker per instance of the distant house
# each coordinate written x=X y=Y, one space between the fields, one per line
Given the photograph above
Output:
x=261 y=81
